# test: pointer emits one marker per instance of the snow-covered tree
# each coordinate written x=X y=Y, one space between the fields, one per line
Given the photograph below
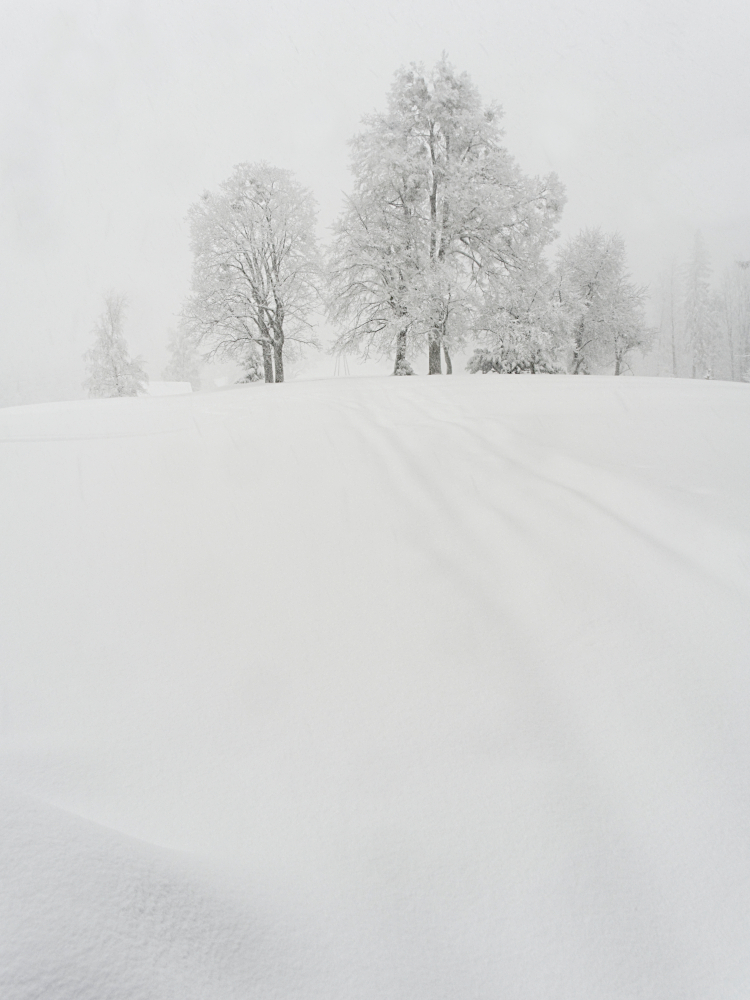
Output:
x=670 y=351
x=441 y=221
x=701 y=312
x=520 y=328
x=185 y=362
x=250 y=359
x=256 y=268
x=603 y=309
x=735 y=310
x=111 y=371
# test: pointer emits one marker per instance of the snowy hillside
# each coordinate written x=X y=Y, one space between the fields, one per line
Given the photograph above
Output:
x=378 y=688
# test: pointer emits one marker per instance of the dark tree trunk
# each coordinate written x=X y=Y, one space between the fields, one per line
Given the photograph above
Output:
x=448 y=365
x=267 y=360
x=435 y=366
x=578 y=350
x=278 y=357
x=617 y=366
x=400 y=351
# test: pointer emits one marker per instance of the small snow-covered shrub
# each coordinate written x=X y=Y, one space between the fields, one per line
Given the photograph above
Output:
x=403 y=367
x=512 y=363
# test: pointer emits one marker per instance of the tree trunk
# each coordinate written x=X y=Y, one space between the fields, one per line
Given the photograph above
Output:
x=400 y=351
x=435 y=366
x=267 y=360
x=578 y=349
x=448 y=365
x=617 y=366
x=278 y=357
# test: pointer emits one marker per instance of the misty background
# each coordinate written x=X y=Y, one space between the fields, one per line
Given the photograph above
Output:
x=114 y=117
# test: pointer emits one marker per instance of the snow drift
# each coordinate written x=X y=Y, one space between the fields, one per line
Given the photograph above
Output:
x=378 y=688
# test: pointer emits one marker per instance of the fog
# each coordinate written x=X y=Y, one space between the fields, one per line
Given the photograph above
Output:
x=115 y=117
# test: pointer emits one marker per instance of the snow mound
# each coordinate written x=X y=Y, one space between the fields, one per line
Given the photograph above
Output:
x=378 y=688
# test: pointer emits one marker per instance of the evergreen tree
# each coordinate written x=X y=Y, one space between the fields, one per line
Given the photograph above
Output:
x=111 y=371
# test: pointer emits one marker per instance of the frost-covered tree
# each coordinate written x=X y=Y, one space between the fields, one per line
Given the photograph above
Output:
x=256 y=267
x=669 y=348
x=735 y=310
x=185 y=362
x=520 y=329
x=701 y=312
x=441 y=221
x=250 y=359
x=604 y=311
x=111 y=371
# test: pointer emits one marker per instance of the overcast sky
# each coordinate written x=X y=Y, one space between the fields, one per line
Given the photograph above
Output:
x=115 y=116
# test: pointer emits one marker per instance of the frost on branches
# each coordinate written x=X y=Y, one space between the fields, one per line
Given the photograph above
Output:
x=256 y=268
x=736 y=314
x=185 y=362
x=701 y=310
x=520 y=328
x=603 y=310
x=441 y=226
x=111 y=371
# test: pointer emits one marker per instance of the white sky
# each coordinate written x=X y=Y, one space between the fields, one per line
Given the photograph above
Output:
x=115 y=116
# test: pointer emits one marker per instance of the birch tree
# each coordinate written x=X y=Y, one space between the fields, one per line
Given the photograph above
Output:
x=256 y=268
x=441 y=221
x=111 y=371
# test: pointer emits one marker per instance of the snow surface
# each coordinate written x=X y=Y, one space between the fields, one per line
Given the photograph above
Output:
x=168 y=388
x=378 y=688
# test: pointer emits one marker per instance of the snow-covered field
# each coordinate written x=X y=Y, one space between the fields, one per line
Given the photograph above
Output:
x=378 y=688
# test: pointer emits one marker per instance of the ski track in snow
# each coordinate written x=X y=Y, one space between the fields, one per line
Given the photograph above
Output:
x=378 y=688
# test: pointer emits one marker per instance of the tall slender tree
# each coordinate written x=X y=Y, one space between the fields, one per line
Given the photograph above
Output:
x=256 y=268
x=670 y=342
x=440 y=224
x=111 y=370
x=736 y=318
x=700 y=312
